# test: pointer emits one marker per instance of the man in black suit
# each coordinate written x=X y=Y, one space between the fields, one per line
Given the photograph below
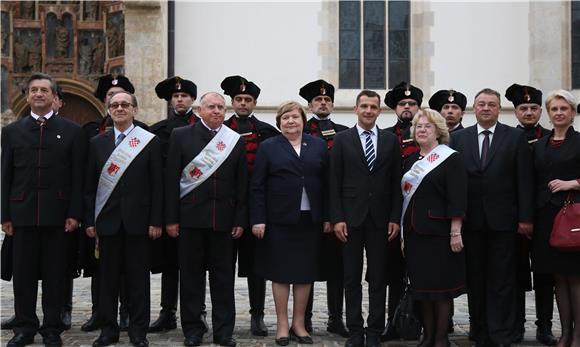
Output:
x=451 y=104
x=500 y=205
x=108 y=85
x=124 y=206
x=42 y=163
x=244 y=96
x=365 y=208
x=206 y=193
x=320 y=97
x=181 y=94
x=527 y=102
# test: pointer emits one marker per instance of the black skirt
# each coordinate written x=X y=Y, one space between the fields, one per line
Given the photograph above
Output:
x=435 y=272
x=545 y=259
x=290 y=253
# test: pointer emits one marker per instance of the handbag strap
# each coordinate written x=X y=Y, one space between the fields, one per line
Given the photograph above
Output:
x=569 y=199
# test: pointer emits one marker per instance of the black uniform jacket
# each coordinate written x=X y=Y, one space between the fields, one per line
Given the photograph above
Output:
x=356 y=192
x=42 y=172
x=137 y=200
x=279 y=177
x=441 y=196
x=501 y=193
x=561 y=163
x=220 y=202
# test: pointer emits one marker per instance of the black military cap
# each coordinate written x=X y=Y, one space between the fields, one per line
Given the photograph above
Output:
x=235 y=85
x=166 y=88
x=519 y=94
x=316 y=88
x=403 y=90
x=109 y=81
x=442 y=97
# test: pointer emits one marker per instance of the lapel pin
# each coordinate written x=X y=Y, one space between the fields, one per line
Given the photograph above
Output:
x=58 y=136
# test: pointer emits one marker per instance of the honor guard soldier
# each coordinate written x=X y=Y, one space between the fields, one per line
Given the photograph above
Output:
x=405 y=99
x=181 y=94
x=42 y=200
x=528 y=110
x=320 y=97
x=451 y=104
x=108 y=85
x=244 y=96
x=124 y=208
x=206 y=206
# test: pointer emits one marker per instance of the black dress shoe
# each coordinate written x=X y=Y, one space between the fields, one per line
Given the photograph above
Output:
x=124 y=322
x=65 y=316
x=282 y=341
x=103 y=341
x=226 y=341
x=257 y=325
x=305 y=340
x=426 y=342
x=390 y=333
x=545 y=336
x=193 y=340
x=20 y=339
x=142 y=342
x=52 y=340
x=373 y=341
x=336 y=326
x=91 y=324
x=355 y=341
x=165 y=322
x=8 y=324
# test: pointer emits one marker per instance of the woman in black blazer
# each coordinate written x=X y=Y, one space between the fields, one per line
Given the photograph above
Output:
x=287 y=215
x=435 y=199
x=557 y=168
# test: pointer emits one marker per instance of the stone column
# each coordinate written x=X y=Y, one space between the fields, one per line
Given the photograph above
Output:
x=146 y=54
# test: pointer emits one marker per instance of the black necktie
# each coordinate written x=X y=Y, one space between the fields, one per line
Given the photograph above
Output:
x=485 y=147
x=213 y=132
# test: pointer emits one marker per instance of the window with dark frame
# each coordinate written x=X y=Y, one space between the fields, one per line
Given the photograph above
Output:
x=575 y=44
x=363 y=40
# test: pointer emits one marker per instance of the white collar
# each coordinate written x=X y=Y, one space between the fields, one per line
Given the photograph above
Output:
x=373 y=131
x=126 y=132
x=491 y=129
x=208 y=128
x=46 y=116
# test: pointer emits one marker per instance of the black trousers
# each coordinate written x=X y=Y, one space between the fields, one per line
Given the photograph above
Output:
x=201 y=249
x=125 y=254
x=38 y=254
x=491 y=280
x=373 y=240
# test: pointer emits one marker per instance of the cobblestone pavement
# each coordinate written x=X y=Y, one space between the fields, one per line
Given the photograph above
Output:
x=82 y=307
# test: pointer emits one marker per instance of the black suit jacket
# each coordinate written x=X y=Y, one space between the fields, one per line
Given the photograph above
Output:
x=356 y=192
x=137 y=200
x=501 y=193
x=556 y=163
x=220 y=202
x=42 y=172
x=441 y=196
x=279 y=176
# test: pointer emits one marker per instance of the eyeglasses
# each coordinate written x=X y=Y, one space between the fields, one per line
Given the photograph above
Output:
x=427 y=126
x=124 y=105
x=410 y=103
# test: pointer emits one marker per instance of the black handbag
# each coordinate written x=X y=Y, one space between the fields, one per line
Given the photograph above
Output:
x=406 y=317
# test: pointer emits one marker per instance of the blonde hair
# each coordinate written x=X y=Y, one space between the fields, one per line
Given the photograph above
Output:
x=436 y=119
x=561 y=94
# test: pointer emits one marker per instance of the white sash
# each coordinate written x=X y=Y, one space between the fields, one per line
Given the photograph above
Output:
x=118 y=162
x=413 y=178
x=208 y=160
